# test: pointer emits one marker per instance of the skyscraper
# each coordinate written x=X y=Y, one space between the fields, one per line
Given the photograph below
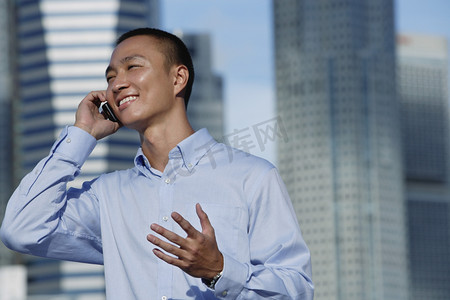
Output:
x=335 y=80
x=6 y=99
x=63 y=50
x=422 y=78
x=206 y=107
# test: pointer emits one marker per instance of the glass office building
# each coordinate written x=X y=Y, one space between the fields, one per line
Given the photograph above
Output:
x=7 y=76
x=63 y=50
x=422 y=77
x=206 y=107
x=342 y=163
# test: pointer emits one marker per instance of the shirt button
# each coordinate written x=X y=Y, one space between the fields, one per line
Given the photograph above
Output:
x=165 y=218
x=68 y=140
x=164 y=298
x=167 y=180
x=224 y=293
x=189 y=165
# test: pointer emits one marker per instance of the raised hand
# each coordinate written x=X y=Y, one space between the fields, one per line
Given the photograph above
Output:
x=91 y=120
x=197 y=254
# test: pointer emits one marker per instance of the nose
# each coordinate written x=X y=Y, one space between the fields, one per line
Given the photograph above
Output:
x=120 y=83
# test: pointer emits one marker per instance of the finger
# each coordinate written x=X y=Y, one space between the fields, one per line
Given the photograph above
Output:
x=99 y=94
x=168 y=259
x=204 y=220
x=185 y=225
x=170 y=248
x=96 y=97
x=171 y=236
x=100 y=97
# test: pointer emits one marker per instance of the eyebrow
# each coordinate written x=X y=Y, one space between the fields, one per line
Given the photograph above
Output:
x=124 y=60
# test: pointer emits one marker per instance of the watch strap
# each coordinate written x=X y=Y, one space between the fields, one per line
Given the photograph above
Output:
x=212 y=283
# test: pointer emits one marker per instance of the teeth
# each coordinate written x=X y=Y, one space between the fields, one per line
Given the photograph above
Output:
x=127 y=99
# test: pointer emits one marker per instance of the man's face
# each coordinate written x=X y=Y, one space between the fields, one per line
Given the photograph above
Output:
x=140 y=87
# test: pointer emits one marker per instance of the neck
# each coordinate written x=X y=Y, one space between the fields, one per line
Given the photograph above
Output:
x=158 y=139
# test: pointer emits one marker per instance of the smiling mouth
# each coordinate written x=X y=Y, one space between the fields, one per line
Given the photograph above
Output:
x=127 y=99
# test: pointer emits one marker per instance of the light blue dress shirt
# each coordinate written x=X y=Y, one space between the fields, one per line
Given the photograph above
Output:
x=108 y=219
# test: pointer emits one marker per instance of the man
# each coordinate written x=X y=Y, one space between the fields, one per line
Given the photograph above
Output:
x=194 y=219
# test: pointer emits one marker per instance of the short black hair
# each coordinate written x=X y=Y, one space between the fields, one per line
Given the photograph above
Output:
x=175 y=52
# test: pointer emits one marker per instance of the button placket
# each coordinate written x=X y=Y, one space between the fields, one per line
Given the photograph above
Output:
x=165 y=209
x=166 y=204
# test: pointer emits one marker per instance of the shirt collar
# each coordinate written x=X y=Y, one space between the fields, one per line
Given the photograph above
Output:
x=194 y=147
x=191 y=150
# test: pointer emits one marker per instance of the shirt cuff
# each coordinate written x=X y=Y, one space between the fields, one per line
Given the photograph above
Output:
x=76 y=144
x=234 y=277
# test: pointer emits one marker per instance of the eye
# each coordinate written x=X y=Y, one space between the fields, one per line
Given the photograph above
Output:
x=133 y=66
x=108 y=78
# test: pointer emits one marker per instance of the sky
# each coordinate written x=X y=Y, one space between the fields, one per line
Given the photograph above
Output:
x=241 y=32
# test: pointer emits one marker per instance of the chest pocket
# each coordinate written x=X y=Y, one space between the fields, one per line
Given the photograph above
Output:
x=228 y=225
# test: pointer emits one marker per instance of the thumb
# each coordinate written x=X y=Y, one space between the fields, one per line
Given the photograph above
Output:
x=207 y=228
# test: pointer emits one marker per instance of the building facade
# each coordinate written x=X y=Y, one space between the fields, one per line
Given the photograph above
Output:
x=205 y=108
x=63 y=50
x=335 y=87
x=422 y=78
x=7 y=76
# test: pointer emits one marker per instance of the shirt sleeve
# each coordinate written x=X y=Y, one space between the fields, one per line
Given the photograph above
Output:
x=280 y=264
x=46 y=219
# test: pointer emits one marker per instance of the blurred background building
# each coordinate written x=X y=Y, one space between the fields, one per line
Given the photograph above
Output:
x=63 y=49
x=206 y=107
x=336 y=94
x=6 y=99
x=422 y=77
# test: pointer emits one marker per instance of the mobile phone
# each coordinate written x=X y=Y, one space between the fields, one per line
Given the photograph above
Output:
x=108 y=112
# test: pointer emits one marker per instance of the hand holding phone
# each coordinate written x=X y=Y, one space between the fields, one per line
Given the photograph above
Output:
x=108 y=112
x=92 y=115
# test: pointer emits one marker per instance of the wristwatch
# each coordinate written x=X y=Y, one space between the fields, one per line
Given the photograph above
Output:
x=212 y=283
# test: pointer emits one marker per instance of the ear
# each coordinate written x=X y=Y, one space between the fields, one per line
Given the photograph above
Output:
x=181 y=78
